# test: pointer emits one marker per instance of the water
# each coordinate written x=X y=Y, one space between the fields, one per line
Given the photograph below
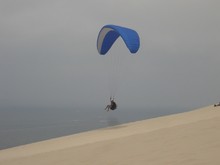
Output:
x=23 y=125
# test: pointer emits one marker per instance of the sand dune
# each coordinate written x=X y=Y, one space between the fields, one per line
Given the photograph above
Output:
x=190 y=138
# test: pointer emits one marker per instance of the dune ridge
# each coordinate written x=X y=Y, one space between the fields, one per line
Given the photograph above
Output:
x=184 y=138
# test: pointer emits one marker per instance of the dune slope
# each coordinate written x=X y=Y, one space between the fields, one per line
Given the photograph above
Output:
x=186 y=138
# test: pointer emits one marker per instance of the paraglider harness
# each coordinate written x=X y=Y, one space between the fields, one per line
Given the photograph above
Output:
x=113 y=105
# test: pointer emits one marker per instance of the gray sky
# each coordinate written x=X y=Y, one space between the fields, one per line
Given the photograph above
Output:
x=48 y=54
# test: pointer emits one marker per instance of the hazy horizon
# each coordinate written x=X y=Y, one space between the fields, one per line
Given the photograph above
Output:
x=48 y=54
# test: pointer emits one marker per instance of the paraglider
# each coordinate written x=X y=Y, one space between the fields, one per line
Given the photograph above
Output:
x=111 y=106
x=107 y=37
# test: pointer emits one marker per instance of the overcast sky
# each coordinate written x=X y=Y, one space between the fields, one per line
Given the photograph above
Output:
x=48 y=54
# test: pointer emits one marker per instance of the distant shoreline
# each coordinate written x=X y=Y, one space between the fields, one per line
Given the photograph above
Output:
x=25 y=125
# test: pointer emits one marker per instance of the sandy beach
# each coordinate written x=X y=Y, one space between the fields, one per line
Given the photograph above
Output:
x=190 y=138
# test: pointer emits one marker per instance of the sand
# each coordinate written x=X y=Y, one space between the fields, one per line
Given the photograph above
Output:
x=190 y=138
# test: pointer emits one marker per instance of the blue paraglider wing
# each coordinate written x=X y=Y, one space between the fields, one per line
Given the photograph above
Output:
x=110 y=33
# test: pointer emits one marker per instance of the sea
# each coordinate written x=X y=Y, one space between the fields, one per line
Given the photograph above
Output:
x=24 y=125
